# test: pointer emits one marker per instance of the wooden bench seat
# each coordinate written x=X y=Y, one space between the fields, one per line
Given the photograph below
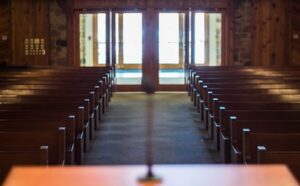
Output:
x=82 y=99
x=51 y=124
x=209 y=109
x=88 y=92
x=8 y=159
x=59 y=115
x=199 y=80
x=272 y=141
x=214 y=116
x=28 y=141
x=223 y=135
x=271 y=126
x=205 y=98
x=49 y=96
x=91 y=112
x=290 y=158
x=72 y=79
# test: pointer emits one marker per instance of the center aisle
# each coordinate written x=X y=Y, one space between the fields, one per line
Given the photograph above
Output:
x=177 y=138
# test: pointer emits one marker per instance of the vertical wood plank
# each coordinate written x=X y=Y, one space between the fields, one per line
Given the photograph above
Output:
x=30 y=21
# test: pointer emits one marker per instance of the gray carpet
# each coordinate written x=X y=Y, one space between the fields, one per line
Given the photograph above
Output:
x=178 y=137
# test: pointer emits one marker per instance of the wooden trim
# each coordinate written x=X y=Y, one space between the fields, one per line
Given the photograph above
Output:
x=224 y=40
x=76 y=41
x=187 y=38
x=181 y=38
x=71 y=33
x=129 y=66
x=138 y=88
x=206 y=36
x=12 y=34
x=170 y=66
x=113 y=38
x=120 y=36
x=171 y=88
x=193 y=38
x=126 y=88
x=95 y=40
x=161 y=66
x=108 y=38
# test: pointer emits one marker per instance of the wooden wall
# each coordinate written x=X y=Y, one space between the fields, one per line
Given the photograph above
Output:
x=269 y=32
x=275 y=26
x=294 y=34
x=5 y=31
x=92 y=4
x=30 y=20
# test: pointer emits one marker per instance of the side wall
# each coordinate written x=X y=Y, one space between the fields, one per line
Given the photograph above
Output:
x=5 y=22
x=265 y=32
x=30 y=32
x=294 y=34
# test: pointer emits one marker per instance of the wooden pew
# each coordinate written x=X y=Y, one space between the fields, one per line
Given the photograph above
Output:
x=272 y=141
x=30 y=141
x=104 y=85
x=51 y=124
x=290 y=158
x=42 y=95
x=214 y=117
x=199 y=82
x=86 y=92
x=38 y=84
x=213 y=121
x=8 y=159
x=83 y=122
x=226 y=115
x=272 y=126
x=60 y=116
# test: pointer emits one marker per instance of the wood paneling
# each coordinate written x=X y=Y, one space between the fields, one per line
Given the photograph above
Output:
x=5 y=30
x=275 y=27
x=30 y=19
x=294 y=34
x=269 y=32
x=96 y=4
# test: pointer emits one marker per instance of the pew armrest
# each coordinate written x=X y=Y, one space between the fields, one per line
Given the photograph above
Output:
x=79 y=148
x=70 y=154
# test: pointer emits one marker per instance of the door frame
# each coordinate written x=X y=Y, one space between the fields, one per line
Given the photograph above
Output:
x=77 y=36
x=122 y=65
x=74 y=52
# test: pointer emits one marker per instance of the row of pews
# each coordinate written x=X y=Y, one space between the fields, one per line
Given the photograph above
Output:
x=252 y=114
x=48 y=116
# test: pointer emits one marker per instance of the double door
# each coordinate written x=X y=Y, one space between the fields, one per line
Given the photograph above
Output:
x=150 y=48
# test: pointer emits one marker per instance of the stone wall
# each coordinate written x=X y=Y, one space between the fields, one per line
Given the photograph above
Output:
x=58 y=32
x=242 y=32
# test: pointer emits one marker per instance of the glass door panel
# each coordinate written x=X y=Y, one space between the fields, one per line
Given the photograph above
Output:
x=93 y=44
x=200 y=38
x=207 y=38
x=169 y=38
x=132 y=38
x=101 y=21
x=171 y=48
x=129 y=30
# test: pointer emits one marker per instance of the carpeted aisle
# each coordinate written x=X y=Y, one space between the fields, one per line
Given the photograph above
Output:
x=177 y=138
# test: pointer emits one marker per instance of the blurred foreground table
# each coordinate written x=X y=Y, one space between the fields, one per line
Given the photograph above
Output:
x=172 y=175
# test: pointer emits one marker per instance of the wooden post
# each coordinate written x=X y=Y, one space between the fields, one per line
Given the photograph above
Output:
x=95 y=40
